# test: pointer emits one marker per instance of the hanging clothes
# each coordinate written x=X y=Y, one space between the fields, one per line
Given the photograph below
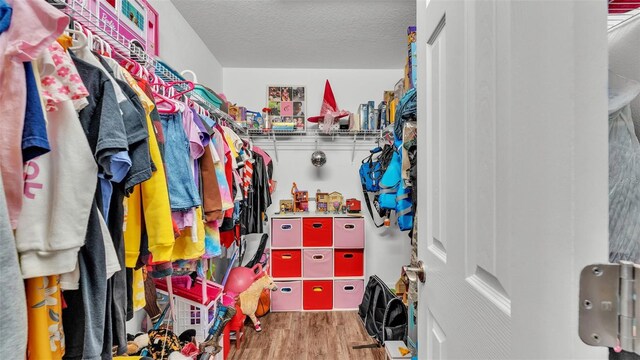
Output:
x=59 y=185
x=39 y=24
x=44 y=303
x=624 y=172
x=104 y=171
x=258 y=199
x=12 y=297
x=182 y=191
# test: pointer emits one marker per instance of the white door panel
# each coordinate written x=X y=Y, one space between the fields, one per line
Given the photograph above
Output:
x=512 y=114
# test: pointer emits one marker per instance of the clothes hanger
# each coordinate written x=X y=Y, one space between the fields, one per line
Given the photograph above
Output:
x=104 y=47
x=162 y=93
x=161 y=99
x=190 y=87
x=79 y=39
x=129 y=65
x=145 y=72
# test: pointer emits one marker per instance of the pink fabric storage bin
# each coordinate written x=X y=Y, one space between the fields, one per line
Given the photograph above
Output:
x=347 y=293
x=348 y=233
x=286 y=232
x=317 y=263
x=288 y=297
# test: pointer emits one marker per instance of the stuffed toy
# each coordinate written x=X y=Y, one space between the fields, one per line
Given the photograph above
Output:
x=140 y=342
x=249 y=298
x=162 y=343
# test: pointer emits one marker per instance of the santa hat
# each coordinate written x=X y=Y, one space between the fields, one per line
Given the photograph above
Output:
x=329 y=107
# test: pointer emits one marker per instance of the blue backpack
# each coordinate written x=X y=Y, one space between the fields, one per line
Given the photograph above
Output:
x=371 y=171
x=394 y=195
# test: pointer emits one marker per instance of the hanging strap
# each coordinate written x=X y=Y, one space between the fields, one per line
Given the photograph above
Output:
x=368 y=202
x=172 y=311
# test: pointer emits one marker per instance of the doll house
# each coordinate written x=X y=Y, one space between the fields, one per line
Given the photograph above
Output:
x=335 y=201
x=322 y=201
x=300 y=199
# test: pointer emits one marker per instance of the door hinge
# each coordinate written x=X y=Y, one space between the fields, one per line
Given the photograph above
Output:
x=608 y=306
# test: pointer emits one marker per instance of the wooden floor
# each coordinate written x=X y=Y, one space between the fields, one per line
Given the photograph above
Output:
x=307 y=336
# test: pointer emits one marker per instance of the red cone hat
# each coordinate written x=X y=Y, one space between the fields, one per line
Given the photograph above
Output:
x=329 y=106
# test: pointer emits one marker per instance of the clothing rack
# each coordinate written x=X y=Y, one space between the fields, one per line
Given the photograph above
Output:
x=126 y=49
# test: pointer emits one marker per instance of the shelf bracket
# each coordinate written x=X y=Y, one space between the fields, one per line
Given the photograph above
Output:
x=275 y=146
x=353 y=150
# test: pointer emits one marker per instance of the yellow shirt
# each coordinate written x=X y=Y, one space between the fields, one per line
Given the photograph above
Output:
x=149 y=199
x=187 y=245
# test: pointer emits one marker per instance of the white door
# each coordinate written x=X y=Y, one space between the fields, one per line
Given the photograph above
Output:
x=513 y=179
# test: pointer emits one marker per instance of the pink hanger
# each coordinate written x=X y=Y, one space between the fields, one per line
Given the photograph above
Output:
x=190 y=85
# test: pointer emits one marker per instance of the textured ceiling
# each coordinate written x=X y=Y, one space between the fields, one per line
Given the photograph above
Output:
x=341 y=34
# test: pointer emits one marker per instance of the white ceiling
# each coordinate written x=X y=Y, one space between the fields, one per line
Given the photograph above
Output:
x=339 y=34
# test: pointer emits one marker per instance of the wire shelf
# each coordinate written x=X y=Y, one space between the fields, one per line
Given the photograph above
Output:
x=313 y=132
x=126 y=49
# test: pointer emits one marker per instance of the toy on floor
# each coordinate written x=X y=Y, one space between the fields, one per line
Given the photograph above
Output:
x=240 y=278
x=211 y=346
x=264 y=304
x=249 y=298
x=140 y=342
x=164 y=342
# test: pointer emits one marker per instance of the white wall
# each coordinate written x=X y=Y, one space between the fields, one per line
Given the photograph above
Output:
x=351 y=87
x=387 y=249
x=183 y=49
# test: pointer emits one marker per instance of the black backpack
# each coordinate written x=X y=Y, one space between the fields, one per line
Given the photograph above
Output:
x=384 y=315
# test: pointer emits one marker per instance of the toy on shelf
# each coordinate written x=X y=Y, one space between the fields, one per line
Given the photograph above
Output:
x=322 y=201
x=300 y=199
x=353 y=206
x=335 y=202
x=286 y=206
x=249 y=298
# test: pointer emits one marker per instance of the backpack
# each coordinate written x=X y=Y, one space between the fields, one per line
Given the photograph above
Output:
x=371 y=171
x=406 y=111
x=394 y=194
x=384 y=315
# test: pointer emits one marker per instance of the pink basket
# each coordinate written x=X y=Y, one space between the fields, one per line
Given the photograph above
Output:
x=348 y=293
x=349 y=233
x=288 y=297
x=317 y=263
x=286 y=232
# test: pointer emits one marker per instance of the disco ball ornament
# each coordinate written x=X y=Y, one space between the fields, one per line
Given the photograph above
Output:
x=318 y=158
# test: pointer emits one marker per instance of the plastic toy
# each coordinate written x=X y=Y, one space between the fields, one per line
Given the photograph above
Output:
x=240 y=278
x=286 y=206
x=335 y=201
x=353 y=206
x=322 y=201
x=300 y=199
x=249 y=298
x=211 y=345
